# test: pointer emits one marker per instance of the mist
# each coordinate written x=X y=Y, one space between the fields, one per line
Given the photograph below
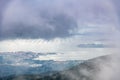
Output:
x=65 y=19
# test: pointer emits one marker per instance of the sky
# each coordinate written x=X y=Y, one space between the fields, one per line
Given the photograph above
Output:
x=84 y=28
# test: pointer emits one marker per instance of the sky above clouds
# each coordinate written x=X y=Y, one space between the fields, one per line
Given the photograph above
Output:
x=59 y=26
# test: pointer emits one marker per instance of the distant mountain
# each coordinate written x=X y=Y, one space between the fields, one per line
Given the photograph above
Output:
x=19 y=63
x=85 y=71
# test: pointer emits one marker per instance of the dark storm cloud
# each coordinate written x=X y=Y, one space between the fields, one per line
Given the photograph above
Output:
x=60 y=26
x=28 y=19
x=51 y=19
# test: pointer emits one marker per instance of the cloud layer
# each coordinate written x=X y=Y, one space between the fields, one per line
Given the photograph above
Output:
x=23 y=20
x=52 y=19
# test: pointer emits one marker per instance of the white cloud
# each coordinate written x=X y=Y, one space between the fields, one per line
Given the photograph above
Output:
x=66 y=49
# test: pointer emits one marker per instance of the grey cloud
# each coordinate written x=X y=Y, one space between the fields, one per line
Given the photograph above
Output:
x=93 y=45
x=23 y=21
x=3 y=4
x=51 y=19
x=117 y=7
x=59 y=26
